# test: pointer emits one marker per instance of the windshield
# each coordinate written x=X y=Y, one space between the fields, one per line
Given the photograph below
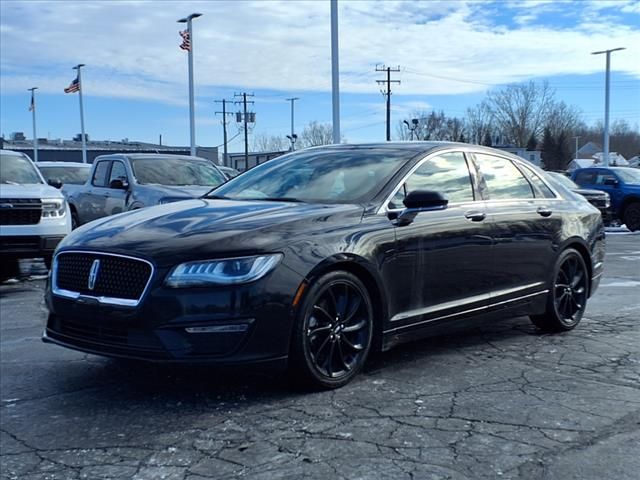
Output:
x=564 y=180
x=16 y=169
x=319 y=176
x=629 y=175
x=176 y=171
x=66 y=175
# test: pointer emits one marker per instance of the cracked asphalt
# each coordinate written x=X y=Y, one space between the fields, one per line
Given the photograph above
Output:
x=491 y=401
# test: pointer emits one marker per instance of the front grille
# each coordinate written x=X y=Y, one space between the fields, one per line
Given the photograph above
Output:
x=19 y=243
x=117 y=276
x=20 y=211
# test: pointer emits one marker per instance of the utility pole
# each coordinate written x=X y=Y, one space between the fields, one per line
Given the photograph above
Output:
x=576 y=155
x=387 y=93
x=246 y=117
x=335 y=72
x=32 y=107
x=293 y=136
x=224 y=114
x=605 y=160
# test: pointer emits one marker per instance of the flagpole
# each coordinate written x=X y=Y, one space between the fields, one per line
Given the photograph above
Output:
x=192 y=122
x=33 y=115
x=84 y=141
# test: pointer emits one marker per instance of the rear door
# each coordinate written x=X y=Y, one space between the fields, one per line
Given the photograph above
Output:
x=524 y=228
x=442 y=256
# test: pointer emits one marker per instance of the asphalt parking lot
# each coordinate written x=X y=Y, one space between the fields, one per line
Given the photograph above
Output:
x=497 y=401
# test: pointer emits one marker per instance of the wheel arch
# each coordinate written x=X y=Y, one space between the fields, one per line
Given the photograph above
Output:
x=360 y=268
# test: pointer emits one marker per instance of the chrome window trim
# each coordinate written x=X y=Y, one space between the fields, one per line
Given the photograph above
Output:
x=384 y=208
x=124 y=302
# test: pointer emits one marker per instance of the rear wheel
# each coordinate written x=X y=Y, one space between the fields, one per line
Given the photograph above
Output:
x=333 y=332
x=631 y=216
x=567 y=299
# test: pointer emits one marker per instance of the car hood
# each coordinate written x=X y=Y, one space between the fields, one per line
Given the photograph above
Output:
x=201 y=228
x=587 y=192
x=177 y=191
x=29 y=190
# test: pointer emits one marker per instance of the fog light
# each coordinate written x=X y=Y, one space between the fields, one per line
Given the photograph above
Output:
x=238 y=328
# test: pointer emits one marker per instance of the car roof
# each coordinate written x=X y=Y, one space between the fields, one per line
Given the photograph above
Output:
x=150 y=156
x=63 y=164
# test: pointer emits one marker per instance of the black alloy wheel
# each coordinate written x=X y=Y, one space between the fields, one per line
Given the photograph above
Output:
x=568 y=294
x=334 y=331
x=631 y=216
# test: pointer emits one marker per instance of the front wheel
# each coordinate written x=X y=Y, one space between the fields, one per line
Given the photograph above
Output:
x=631 y=216
x=567 y=298
x=333 y=332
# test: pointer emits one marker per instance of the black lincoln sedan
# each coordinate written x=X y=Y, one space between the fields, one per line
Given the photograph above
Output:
x=317 y=258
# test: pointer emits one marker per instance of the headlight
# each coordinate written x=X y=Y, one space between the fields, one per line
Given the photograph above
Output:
x=53 y=207
x=228 y=271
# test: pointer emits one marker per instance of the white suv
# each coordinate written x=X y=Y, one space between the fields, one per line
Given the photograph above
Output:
x=34 y=217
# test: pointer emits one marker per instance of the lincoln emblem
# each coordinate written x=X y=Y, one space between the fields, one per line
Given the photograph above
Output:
x=93 y=274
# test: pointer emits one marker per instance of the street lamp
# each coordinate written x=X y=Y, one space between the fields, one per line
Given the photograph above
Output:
x=292 y=138
x=32 y=107
x=192 y=127
x=605 y=159
x=412 y=127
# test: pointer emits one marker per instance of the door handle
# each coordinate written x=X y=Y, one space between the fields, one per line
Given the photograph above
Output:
x=544 y=211
x=475 y=216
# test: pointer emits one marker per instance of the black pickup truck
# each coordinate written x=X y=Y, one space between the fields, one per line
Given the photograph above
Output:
x=123 y=182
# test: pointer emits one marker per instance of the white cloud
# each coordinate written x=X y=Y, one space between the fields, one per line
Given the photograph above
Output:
x=131 y=48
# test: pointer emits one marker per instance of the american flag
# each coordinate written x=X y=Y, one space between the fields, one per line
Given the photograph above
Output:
x=32 y=106
x=73 y=86
x=186 y=41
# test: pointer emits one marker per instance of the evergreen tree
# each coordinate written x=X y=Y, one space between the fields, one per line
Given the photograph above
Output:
x=532 y=143
x=487 y=142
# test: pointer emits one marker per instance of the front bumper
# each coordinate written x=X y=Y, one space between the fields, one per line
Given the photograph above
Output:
x=28 y=246
x=222 y=325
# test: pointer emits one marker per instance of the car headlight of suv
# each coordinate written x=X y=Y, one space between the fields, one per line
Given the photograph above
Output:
x=227 y=271
x=53 y=207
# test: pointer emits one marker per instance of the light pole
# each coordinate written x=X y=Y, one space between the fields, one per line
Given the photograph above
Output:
x=293 y=136
x=32 y=107
x=411 y=128
x=192 y=122
x=84 y=140
x=605 y=159
x=576 y=155
x=335 y=74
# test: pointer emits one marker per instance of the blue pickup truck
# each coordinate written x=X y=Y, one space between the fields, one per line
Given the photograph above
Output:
x=623 y=186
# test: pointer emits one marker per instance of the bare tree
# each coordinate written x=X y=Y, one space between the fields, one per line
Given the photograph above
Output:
x=562 y=118
x=519 y=111
x=433 y=126
x=269 y=143
x=316 y=134
x=479 y=123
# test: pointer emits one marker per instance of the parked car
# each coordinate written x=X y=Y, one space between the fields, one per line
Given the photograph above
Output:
x=623 y=186
x=34 y=217
x=229 y=171
x=597 y=198
x=321 y=256
x=118 y=183
x=58 y=174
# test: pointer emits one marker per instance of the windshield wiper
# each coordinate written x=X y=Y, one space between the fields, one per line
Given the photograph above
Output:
x=9 y=182
x=215 y=197
x=277 y=199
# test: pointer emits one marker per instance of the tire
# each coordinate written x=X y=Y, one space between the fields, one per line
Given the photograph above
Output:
x=631 y=216
x=75 y=220
x=568 y=293
x=333 y=332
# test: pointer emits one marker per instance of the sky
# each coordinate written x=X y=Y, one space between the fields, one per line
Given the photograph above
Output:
x=450 y=53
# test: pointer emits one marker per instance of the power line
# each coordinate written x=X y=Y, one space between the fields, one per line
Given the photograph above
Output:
x=387 y=93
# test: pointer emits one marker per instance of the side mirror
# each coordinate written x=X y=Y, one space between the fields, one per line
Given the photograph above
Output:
x=425 y=199
x=419 y=201
x=612 y=182
x=118 y=184
x=55 y=182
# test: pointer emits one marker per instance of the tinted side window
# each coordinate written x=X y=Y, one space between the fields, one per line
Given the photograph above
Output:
x=100 y=174
x=504 y=180
x=585 y=178
x=542 y=190
x=447 y=173
x=602 y=177
x=118 y=172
